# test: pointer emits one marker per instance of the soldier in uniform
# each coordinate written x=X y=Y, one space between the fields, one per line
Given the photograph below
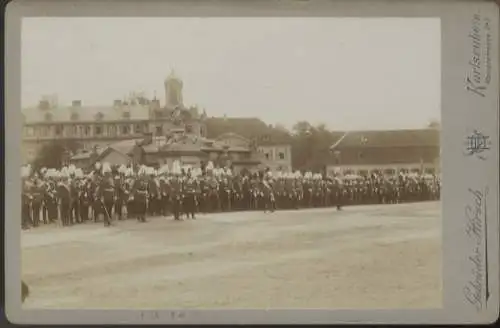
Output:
x=106 y=195
x=213 y=196
x=49 y=208
x=280 y=193
x=268 y=195
x=257 y=193
x=246 y=190
x=204 y=194
x=64 y=197
x=94 y=185
x=85 y=200
x=237 y=195
x=140 y=196
x=189 y=193
x=308 y=190
x=299 y=190
x=120 y=197
x=154 y=196
x=36 y=203
x=127 y=196
x=225 y=194
x=26 y=205
x=176 y=191
x=164 y=194
x=74 y=208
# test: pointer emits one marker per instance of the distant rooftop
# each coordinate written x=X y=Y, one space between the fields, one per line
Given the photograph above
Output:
x=388 y=138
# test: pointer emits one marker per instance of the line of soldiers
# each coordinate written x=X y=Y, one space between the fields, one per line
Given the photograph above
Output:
x=71 y=197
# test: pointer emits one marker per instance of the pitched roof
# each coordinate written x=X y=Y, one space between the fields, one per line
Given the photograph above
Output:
x=86 y=113
x=86 y=153
x=125 y=147
x=189 y=144
x=228 y=135
x=391 y=138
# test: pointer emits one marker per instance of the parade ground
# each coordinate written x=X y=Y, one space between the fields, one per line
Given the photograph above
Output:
x=374 y=256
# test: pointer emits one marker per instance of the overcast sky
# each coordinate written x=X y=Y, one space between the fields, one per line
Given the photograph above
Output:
x=347 y=73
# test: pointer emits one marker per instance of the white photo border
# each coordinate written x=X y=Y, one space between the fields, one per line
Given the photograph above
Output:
x=470 y=174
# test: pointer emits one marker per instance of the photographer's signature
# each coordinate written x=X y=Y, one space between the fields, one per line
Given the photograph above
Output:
x=478 y=77
x=476 y=290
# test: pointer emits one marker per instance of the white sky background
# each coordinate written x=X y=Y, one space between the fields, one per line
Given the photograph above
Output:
x=349 y=73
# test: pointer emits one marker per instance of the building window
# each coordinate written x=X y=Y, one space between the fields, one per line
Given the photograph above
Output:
x=281 y=155
x=98 y=130
x=137 y=128
x=159 y=130
x=189 y=128
x=125 y=129
x=112 y=130
x=126 y=114
x=86 y=130
x=48 y=117
x=74 y=116
x=267 y=155
x=82 y=130
x=59 y=130
x=99 y=116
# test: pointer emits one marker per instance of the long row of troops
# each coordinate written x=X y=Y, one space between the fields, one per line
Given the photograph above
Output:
x=111 y=193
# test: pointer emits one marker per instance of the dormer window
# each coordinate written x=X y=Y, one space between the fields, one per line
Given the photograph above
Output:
x=48 y=117
x=74 y=116
x=99 y=116
x=126 y=114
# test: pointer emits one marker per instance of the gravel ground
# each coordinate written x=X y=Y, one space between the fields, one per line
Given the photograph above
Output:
x=381 y=256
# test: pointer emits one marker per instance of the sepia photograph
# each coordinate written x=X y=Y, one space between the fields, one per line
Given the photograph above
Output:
x=237 y=163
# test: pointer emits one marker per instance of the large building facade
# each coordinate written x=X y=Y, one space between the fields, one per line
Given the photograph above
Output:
x=100 y=126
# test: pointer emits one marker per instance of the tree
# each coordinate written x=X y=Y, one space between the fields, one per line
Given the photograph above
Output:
x=301 y=128
x=311 y=146
x=53 y=154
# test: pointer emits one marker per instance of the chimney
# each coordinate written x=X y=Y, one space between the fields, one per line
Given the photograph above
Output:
x=117 y=103
x=76 y=103
x=44 y=104
x=155 y=104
